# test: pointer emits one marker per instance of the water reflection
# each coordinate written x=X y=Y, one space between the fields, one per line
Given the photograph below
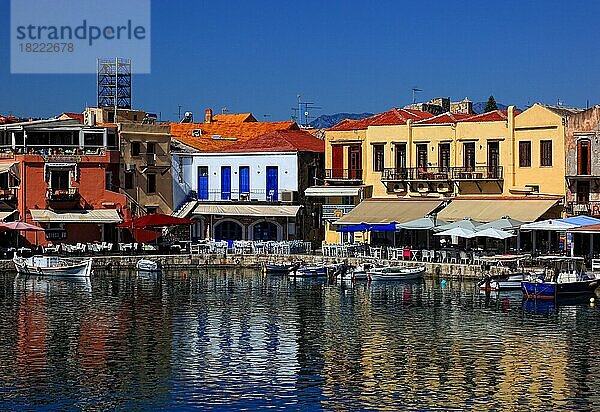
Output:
x=243 y=340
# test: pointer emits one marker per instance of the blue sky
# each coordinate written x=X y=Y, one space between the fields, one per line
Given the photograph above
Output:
x=345 y=55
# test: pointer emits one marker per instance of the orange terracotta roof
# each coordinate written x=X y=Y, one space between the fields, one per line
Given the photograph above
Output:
x=389 y=118
x=234 y=117
x=221 y=136
x=69 y=115
x=282 y=141
x=445 y=118
x=493 y=116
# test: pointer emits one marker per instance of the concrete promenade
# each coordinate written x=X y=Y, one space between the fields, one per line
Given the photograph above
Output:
x=187 y=261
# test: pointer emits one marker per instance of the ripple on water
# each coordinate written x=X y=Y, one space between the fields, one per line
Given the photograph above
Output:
x=240 y=340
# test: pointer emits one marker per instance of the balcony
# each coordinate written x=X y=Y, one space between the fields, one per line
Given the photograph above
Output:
x=335 y=212
x=493 y=173
x=343 y=175
x=590 y=208
x=441 y=174
x=8 y=195
x=256 y=195
x=62 y=195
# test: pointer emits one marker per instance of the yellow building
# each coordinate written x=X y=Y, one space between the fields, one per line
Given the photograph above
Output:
x=411 y=154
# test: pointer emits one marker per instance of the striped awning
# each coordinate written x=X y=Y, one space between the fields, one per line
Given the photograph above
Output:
x=247 y=210
x=99 y=216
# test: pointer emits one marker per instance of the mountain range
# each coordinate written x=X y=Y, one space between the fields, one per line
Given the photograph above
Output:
x=329 y=120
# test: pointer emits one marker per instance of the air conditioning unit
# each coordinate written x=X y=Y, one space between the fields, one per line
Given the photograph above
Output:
x=197 y=132
x=443 y=188
x=422 y=188
x=130 y=167
x=399 y=188
x=288 y=196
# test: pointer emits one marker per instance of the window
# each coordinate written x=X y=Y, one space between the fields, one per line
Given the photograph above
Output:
x=151 y=183
x=469 y=156
x=524 y=154
x=128 y=180
x=348 y=200
x=378 y=157
x=111 y=140
x=135 y=148
x=546 y=153
x=60 y=179
x=584 y=157
x=151 y=147
x=3 y=181
x=400 y=156
x=150 y=210
x=444 y=160
x=422 y=156
x=108 y=180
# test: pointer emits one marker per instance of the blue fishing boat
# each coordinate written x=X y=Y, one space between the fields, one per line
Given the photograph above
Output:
x=563 y=277
x=310 y=271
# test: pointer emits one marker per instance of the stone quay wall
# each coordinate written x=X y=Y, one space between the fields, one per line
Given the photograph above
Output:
x=174 y=262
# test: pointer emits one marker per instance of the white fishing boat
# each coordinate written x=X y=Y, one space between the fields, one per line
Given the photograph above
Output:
x=53 y=266
x=512 y=275
x=147 y=265
x=357 y=273
x=396 y=273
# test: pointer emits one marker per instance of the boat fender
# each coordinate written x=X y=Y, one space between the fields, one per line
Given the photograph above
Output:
x=443 y=283
x=183 y=275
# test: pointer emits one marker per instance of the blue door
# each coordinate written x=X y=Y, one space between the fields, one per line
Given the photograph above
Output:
x=244 y=179
x=225 y=182
x=272 y=183
x=202 y=182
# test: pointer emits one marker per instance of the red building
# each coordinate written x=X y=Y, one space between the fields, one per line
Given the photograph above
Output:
x=62 y=176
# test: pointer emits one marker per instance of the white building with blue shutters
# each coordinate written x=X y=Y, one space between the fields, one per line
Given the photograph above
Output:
x=255 y=191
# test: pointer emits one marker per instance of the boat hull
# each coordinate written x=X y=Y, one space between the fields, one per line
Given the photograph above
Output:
x=51 y=267
x=552 y=290
x=147 y=266
x=401 y=274
x=279 y=269
x=310 y=272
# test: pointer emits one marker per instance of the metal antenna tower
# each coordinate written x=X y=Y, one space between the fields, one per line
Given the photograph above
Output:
x=114 y=84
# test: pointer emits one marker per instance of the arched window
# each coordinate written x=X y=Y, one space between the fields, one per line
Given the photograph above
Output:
x=228 y=230
x=265 y=231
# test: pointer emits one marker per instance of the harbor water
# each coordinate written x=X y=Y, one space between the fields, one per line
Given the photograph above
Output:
x=231 y=339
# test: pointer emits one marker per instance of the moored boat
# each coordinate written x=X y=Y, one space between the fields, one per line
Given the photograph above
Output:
x=147 y=265
x=396 y=273
x=563 y=277
x=310 y=271
x=53 y=266
x=510 y=279
x=281 y=269
x=357 y=273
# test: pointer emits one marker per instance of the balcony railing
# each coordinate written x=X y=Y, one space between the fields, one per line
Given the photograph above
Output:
x=442 y=173
x=477 y=173
x=256 y=195
x=8 y=195
x=343 y=174
x=59 y=195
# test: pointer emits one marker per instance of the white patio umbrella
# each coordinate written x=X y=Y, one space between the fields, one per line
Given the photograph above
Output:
x=493 y=233
x=458 y=232
x=463 y=224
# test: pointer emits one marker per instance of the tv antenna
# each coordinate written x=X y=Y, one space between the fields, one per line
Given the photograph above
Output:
x=301 y=113
x=415 y=90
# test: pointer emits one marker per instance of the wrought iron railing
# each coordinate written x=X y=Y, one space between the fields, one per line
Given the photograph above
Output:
x=62 y=194
x=343 y=174
x=443 y=173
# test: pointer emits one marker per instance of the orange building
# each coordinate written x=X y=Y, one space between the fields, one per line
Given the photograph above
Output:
x=59 y=174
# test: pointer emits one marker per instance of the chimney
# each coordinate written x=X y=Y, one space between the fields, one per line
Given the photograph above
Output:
x=208 y=116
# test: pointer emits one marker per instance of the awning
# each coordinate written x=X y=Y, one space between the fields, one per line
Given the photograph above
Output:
x=488 y=210
x=388 y=210
x=324 y=191
x=590 y=229
x=5 y=214
x=76 y=216
x=549 y=225
x=247 y=210
x=5 y=167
